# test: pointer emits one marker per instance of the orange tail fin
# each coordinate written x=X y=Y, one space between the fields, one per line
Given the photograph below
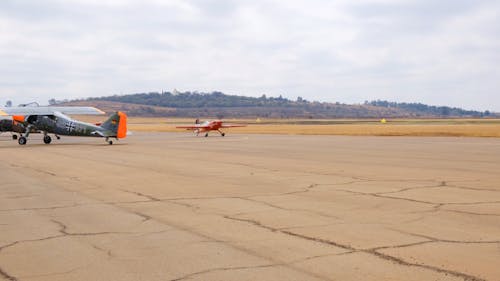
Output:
x=122 y=125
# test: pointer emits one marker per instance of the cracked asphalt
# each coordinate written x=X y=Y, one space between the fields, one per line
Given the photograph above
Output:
x=169 y=206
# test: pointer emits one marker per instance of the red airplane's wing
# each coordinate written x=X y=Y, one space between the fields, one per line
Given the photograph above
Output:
x=231 y=125
x=193 y=127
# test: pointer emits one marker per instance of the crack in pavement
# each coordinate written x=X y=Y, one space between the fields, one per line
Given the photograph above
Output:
x=63 y=230
x=55 y=273
x=247 y=198
x=63 y=233
x=401 y=246
x=438 y=208
x=307 y=189
x=305 y=226
x=469 y=213
x=34 y=169
x=7 y=276
x=388 y=197
x=465 y=277
x=287 y=232
x=435 y=239
x=290 y=209
x=30 y=240
x=151 y=198
x=227 y=243
x=439 y=204
x=143 y=216
x=473 y=188
x=441 y=184
x=374 y=252
x=259 y=266
x=222 y=269
x=74 y=205
x=47 y=208
x=107 y=252
x=191 y=206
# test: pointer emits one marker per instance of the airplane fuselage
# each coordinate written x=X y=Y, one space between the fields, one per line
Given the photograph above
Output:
x=61 y=124
x=211 y=126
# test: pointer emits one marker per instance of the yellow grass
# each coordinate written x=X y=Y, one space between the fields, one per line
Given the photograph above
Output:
x=400 y=127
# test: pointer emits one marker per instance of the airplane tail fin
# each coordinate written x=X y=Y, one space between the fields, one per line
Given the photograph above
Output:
x=117 y=124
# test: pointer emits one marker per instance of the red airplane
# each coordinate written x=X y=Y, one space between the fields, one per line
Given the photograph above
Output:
x=207 y=126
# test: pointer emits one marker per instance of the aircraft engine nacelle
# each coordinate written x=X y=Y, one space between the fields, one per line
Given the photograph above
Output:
x=18 y=118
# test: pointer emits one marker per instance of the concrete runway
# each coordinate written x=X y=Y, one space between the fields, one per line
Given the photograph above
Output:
x=173 y=206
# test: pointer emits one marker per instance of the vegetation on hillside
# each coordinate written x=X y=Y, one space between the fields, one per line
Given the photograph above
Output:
x=220 y=105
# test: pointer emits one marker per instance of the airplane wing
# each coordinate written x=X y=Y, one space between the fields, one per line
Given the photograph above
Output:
x=193 y=127
x=49 y=110
x=232 y=125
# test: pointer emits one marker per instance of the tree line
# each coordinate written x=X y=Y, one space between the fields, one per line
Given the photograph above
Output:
x=264 y=106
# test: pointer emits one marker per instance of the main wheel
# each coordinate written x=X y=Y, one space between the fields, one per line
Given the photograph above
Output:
x=206 y=135
x=22 y=140
x=223 y=134
x=110 y=142
x=47 y=139
x=14 y=137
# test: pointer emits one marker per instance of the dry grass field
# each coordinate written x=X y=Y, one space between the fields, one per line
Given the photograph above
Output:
x=400 y=127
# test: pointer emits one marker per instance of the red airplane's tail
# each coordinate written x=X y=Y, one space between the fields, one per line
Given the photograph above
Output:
x=117 y=124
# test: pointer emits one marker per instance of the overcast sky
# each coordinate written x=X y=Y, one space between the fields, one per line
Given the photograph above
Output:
x=441 y=52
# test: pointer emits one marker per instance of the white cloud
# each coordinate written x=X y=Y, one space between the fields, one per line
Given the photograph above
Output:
x=434 y=52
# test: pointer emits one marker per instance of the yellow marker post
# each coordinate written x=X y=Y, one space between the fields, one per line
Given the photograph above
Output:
x=383 y=121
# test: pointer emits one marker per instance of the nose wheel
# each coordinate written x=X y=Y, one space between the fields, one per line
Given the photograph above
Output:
x=47 y=139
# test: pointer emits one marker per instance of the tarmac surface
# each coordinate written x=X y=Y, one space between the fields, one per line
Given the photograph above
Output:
x=171 y=206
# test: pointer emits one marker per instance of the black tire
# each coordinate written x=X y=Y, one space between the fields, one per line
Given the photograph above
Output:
x=47 y=139
x=223 y=134
x=14 y=137
x=110 y=142
x=206 y=135
x=22 y=140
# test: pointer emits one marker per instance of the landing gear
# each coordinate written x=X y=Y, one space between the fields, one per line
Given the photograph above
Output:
x=22 y=140
x=110 y=142
x=47 y=139
x=206 y=135
x=58 y=137
x=221 y=133
x=14 y=137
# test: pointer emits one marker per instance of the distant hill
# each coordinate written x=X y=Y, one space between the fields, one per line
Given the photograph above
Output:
x=217 y=104
x=130 y=108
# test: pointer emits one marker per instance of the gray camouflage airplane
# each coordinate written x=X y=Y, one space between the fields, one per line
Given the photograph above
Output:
x=52 y=120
